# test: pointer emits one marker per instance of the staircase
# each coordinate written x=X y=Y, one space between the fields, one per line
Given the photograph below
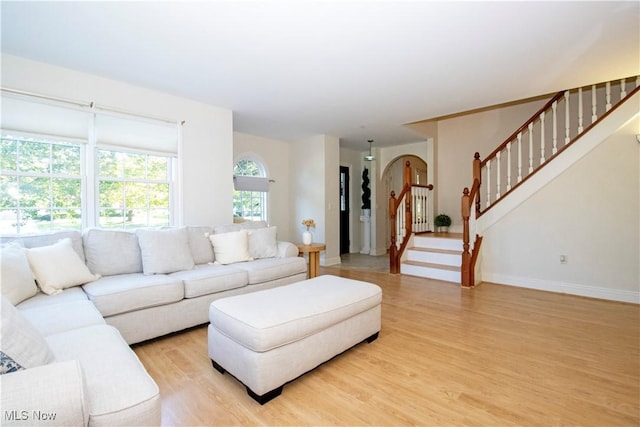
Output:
x=514 y=170
x=434 y=256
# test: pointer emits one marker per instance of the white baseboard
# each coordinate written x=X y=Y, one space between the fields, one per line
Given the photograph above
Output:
x=564 y=288
x=329 y=261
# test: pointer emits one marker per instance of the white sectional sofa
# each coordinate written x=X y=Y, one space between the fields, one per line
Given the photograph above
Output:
x=64 y=341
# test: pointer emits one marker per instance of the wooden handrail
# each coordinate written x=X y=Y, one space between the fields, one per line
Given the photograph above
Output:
x=533 y=118
x=479 y=210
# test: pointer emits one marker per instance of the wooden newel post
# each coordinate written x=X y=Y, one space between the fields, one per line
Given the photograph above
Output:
x=477 y=167
x=466 y=276
x=394 y=267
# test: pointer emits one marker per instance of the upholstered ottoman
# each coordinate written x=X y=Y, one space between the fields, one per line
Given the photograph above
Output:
x=268 y=338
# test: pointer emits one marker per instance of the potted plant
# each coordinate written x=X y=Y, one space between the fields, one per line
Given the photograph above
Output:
x=443 y=222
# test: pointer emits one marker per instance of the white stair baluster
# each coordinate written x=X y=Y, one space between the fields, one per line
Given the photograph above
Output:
x=542 y=138
x=488 y=183
x=567 y=120
x=530 y=147
x=608 y=95
x=509 y=166
x=554 y=107
x=580 y=128
x=519 y=156
x=594 y=105
x=498 y=176
x=623 y=88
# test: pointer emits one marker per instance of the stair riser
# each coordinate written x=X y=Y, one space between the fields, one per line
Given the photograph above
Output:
x=431 y=273
x=437 y=243
x=434 y=258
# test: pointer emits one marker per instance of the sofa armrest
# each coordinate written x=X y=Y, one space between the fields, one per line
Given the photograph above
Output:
x=52 y=395
x=287 y=249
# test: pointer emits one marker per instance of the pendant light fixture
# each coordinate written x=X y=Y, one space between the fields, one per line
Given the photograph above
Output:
x=370 y=156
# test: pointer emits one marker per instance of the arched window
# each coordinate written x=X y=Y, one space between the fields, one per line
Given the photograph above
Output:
x=249 y=204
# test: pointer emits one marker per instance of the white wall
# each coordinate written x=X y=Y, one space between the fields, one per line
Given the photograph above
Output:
x=314 y=192
x=457 y=141
x=591 y=214
x=207 y=136
x=275 y=156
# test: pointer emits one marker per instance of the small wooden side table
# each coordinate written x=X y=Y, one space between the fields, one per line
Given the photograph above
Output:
x=314 y=256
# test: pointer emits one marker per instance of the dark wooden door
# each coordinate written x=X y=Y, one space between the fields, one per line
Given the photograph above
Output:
x=344 y=210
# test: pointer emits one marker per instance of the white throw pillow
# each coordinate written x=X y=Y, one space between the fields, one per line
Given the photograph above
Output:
x=263 y=243
x=165 y=251
x=231 y=247
x=58 y=266
x=20 y=340
x=16 y=277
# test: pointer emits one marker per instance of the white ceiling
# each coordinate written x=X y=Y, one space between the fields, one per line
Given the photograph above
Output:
x=354 y=69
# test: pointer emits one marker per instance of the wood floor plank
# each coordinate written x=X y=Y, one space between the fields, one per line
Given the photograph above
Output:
x=494 y=355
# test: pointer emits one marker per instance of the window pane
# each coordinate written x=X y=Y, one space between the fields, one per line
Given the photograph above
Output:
x=157 y=168
x=8 y=154
x=135 y=195
x=111 y=194
x=109 y=164
x=9 y=221
x=158 y=217
x=9 y=193
x=111 y=218
x=66 y=159
x=159 y=196
x=34 y=157
x=135 y=166
x=34 y=192
x=66 y=193
x=67 y=218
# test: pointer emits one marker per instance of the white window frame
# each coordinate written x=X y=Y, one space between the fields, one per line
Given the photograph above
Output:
x=262 y=196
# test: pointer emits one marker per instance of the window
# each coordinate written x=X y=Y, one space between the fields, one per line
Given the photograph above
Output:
x=41 y=185
x=134 y=189
x=249 y=205
x=72 y=164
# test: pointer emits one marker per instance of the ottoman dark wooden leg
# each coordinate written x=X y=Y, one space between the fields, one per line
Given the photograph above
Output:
x=265 y=397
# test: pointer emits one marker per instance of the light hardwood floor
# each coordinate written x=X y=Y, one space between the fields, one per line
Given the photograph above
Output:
x=492 y=356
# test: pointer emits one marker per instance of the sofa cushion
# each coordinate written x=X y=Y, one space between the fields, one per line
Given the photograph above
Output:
x=58 y=266
x=45 y=239
x=15 y=274
x=165 y=251
x=199 y=243
x=263 y=243
x=56 y=318
x=231 y=247
x=267 y=269
x=246 y=225
x=120 y=391
x=20 y=340
x=128 y=292
x=207 y=279
x=111 y=252
x=42 y=300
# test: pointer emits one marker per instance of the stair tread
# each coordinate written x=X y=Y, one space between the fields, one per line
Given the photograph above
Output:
x=439 y=251
x=432 y=265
